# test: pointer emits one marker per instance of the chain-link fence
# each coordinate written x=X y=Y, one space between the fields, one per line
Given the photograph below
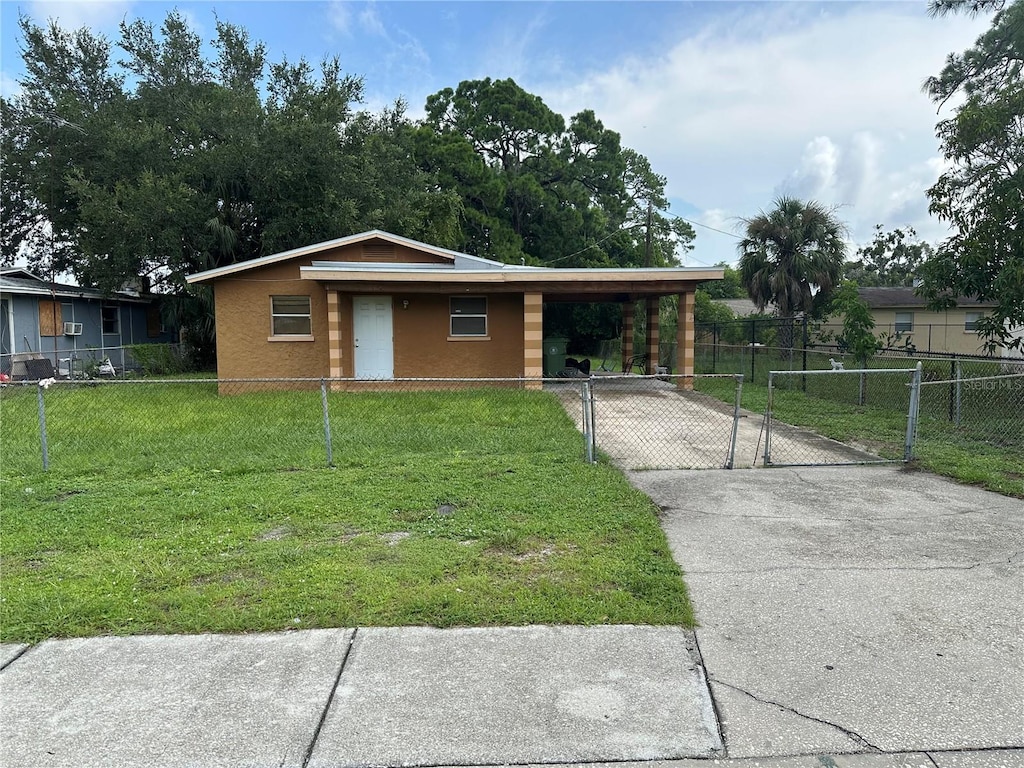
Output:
x=987 y=411
x=87 y=426
x=892 y=389
x=659 y=422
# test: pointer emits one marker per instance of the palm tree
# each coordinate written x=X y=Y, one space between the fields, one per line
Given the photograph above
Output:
x=789 y=254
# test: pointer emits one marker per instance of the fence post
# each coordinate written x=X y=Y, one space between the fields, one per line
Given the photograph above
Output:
x=753 y=348
x=587 y=404
x=327 y=423
x=959 y=389
x=42 y=428
x=953 y=388
x=768 y=420
x=731 y=460
x=915 y=404
x=714 y=347
x=803 y=379
x=593 y=422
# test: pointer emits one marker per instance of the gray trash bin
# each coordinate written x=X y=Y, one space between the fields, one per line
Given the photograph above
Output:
x=554 y=355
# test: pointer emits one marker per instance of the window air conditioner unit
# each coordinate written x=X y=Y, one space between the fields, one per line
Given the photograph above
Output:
x=72 y=329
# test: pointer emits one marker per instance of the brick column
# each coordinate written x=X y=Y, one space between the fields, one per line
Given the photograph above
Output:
x=533 y=338
x=627 y=330
x=334 y=334
x=653 y=319
x=685 y=335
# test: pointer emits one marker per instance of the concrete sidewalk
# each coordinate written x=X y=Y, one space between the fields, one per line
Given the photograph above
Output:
x=410 y=696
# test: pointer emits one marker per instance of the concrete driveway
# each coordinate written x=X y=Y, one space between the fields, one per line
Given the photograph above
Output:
x=646 y=423
x=854 y=609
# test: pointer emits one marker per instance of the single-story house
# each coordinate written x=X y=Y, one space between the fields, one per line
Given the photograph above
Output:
x=902 y=316
x=380 y=306
x=69 y=324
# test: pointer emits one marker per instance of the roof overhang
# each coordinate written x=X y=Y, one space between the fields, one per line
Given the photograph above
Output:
x=554 y=284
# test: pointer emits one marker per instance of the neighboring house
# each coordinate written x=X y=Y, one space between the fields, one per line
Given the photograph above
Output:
x=65 y=323
x=744 y=307
x=905 y=319
x=379 y=306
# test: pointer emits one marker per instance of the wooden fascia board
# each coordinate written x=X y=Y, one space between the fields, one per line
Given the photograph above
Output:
x=575 y=282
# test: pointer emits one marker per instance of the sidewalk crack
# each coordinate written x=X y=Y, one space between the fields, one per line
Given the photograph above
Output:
x=330 y=700
x=851 y=734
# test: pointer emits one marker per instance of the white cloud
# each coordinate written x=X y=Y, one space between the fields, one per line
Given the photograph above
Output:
x=72 y=14
x=826 y=104
x=339 y=15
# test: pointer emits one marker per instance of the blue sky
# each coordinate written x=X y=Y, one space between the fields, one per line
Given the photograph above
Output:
x=735 y=103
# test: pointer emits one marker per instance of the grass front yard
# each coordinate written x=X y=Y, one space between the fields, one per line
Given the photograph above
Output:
x=455 y=508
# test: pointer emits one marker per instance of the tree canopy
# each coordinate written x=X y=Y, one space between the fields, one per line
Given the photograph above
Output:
x=981 y=195
x=166 y=162
x=893 y=258
x=792 y=255
x=147 y=158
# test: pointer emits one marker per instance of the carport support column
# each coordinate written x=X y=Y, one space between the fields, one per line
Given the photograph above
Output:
x=653 y=318
x=533 y=339
x=685 y=337
x=334 y=333
x=627 y=330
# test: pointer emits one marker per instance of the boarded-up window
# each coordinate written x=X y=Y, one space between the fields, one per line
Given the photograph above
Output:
x=51 y=320
x=154 y=321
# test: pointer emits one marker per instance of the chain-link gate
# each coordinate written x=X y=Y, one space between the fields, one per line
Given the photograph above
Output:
x=660 y=422
x=885 y=389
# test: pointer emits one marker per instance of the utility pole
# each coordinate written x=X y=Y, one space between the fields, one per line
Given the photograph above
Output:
x=649 y=250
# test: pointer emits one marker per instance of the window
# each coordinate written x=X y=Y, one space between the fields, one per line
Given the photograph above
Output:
x=469 y=316
x=904 y=322
x=51 y=318
x=971 y=321
x=290 y=316
x=109 y=313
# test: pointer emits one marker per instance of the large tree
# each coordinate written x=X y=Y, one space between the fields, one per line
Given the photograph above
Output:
x=981 y=195
x=166 y=162
x=539 y=189
x=792 y=257
x=893 y=258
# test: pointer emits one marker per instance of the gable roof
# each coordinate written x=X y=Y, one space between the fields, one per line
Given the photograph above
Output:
x=16 y=280
x=458 y=268
x=887 y=298
x=455 y=258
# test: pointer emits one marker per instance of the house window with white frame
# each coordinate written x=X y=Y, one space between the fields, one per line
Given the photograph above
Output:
x=971 y=321
x=904 y=322
x=290 y=316
x=468 y=316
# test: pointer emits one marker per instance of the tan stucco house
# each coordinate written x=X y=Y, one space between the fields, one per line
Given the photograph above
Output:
x=900 y=314
x=379 y=306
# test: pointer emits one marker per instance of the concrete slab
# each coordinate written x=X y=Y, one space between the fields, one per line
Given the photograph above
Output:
x=996 y=758
x=420 y=696
x=211 y=700
x=904 y=760
x=9 y=652
x=883 y=602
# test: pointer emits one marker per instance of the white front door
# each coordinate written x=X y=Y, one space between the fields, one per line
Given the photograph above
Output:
x=374 y=344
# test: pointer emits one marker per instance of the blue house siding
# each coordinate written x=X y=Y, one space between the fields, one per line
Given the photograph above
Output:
x=26 y=308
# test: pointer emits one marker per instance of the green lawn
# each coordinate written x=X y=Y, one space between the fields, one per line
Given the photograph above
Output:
x=169 y=508
x=985 y=451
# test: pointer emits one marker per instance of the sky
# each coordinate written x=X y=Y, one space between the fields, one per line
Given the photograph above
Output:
x=734 y=103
